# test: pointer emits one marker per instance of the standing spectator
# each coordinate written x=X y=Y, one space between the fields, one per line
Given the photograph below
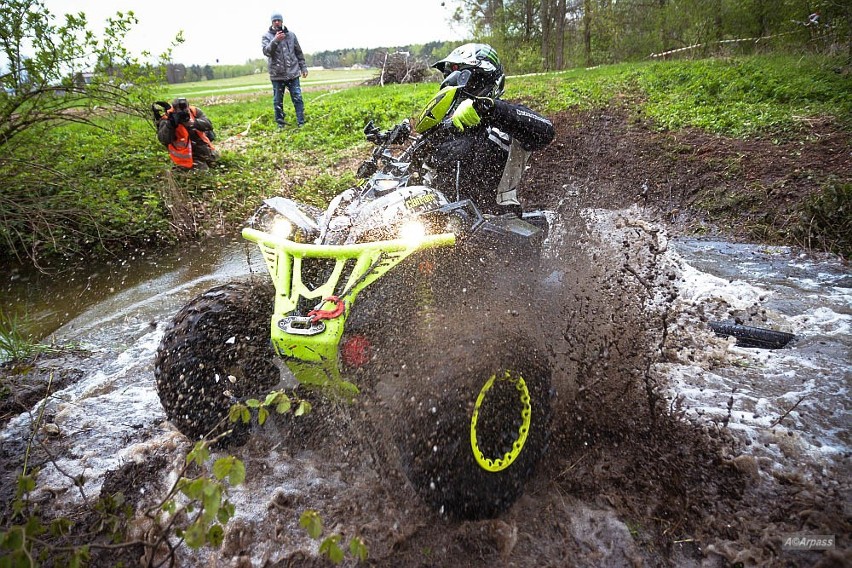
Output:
x=187 y=132
x=286 y=63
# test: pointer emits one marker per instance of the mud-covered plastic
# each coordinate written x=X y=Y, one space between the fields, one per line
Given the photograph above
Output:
x=756 y=337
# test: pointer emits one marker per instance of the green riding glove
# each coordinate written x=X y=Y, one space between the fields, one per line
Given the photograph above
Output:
x=465 y=115
x=471 y=111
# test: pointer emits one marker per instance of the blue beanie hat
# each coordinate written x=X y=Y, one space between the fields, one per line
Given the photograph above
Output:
x=277 y=16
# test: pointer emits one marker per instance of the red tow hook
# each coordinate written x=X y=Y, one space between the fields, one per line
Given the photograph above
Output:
x=317 y=315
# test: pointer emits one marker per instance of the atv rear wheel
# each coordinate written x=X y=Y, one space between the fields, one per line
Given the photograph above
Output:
x=216 y=352
x=471 y=450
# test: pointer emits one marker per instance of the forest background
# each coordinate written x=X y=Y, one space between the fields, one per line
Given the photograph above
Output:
x=551 y=35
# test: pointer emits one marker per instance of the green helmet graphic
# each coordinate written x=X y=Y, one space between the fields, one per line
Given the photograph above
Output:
x=436 y=110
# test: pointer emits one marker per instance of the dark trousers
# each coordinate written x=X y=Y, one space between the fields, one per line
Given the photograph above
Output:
x=295 y=89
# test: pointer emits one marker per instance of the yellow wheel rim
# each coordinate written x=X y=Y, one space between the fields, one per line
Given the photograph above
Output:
x=502 y=462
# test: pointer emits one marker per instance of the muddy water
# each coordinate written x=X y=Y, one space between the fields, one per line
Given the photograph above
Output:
x=789 y=408
x=47 y=300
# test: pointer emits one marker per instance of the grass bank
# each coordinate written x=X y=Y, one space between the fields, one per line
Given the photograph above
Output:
x=70 y=191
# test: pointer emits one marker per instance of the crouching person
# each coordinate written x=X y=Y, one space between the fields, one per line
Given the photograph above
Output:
x=187 y=132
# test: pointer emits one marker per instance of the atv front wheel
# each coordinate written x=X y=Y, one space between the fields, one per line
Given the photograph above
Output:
x=472 y=449
x=216 y=352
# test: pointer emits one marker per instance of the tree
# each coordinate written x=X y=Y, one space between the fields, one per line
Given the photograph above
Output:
x=54 y=73
x=566 y=33
x=58 y=72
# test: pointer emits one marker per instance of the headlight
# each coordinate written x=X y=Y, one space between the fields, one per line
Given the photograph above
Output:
x=281 y=228
x=285 y=219
x=412 y=231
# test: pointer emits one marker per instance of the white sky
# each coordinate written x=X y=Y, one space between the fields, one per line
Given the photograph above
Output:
x=230 y=31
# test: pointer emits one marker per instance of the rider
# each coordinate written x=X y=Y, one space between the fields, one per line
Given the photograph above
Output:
x=485 y=153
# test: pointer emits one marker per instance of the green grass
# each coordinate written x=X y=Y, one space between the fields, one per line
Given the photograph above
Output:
x=740 y=97
x=107 y=188
x=15 y=342
x=259 y=83
x=746 y=96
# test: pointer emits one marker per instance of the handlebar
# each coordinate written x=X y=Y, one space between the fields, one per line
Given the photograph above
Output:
x=397 y=135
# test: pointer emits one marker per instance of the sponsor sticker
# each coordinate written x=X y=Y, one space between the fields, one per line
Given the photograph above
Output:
x=420 y=201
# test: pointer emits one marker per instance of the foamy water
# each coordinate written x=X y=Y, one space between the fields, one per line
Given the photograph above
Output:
x=789 y=403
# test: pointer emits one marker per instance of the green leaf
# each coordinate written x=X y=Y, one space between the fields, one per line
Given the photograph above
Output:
x=34 y=528
x=358 y=549
x=348 y=389
x=230 y=467
x=283 y=405
x=59 y=527
x=246 y=415
x=26 y=484
x=210 y=487
x=226 y=513
x=195 y=536
x=270 y=398
x=211 y=503
x=216 y=535
x=253 y=403
x=236 y=412
x=331 y=548
x=80 y=557
x=311 y=522
x=237 y=474
x=199 y=454
x=14 y=539
x=262 y=415
x=222 y=467
x=194 y=489
x=304 y=408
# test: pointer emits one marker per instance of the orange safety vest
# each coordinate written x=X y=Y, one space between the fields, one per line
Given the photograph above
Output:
x=180 y=150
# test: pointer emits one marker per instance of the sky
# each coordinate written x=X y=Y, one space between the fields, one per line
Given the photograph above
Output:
x=229 y=32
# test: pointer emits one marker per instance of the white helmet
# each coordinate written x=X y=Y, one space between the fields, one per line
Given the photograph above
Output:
x=484 y=77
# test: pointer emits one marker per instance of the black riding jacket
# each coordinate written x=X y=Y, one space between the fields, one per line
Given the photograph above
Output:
x=485 y=163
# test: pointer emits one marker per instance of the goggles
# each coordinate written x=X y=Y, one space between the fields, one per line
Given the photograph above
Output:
x=456 y=78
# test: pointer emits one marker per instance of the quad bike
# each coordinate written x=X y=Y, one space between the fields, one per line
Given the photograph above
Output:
x=394 y=292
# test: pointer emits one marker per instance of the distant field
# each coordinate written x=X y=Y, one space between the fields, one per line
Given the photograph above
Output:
x=259 y=82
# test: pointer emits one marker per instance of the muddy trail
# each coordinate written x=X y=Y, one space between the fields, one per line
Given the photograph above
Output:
x=633 y=475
